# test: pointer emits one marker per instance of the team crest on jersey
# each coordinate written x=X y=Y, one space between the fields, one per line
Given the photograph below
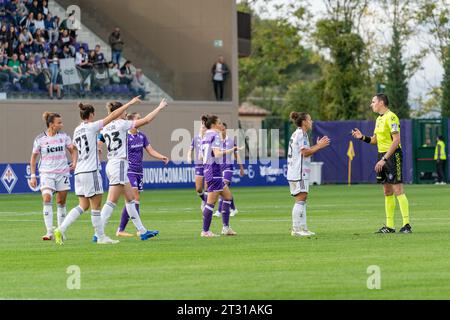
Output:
x=9 y=179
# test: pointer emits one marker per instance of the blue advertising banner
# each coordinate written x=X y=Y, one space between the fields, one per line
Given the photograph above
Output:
x=15 y=177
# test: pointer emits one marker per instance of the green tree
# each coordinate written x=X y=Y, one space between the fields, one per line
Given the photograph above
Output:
x=445 y=102
x=397 y=81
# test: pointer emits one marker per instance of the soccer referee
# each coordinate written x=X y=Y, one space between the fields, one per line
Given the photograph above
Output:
x=389 y=165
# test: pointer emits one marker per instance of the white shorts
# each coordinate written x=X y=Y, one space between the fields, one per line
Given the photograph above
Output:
x=117 y=172
x=298 y=187
x=88 y=184
x=55 y=182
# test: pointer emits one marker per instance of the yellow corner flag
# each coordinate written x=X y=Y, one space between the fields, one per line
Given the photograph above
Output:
x=350 y=155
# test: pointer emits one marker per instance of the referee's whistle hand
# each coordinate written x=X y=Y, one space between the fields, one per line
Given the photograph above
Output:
x=356 y=133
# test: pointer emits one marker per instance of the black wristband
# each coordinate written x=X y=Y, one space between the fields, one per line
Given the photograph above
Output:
x=366 y=139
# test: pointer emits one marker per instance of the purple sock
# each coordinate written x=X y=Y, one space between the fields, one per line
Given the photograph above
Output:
x=220 y=204
x=207 y=216
x=232 y=204
x=226 y=213
x=124 y=220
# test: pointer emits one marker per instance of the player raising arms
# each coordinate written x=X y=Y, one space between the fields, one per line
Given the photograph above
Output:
x=88 y=180
x=54 y=170
x=228 y=168
x=196 y=147
x=116 y=140
x=212 y=159
x=299 y=159
x=137 y=143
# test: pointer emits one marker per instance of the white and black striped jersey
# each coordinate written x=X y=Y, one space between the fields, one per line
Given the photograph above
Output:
x=298 y=166
x=85 y=140
x=116 y=138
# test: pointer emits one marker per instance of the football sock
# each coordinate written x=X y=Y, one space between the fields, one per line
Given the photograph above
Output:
x=207 y=216
x=48 y=217
x=232 y=207
x=299 y=216
x=96 y=219
x=61 y=214
x=71 y=217
x=134 y=216
x=404 y=208
x=124 y=219
x=226 y=213
x=220 y=204
x=390 y=209
x=106 y=213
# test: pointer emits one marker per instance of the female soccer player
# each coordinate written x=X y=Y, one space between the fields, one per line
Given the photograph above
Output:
x=54 y=170
x=228 y=168
x=196 y=147
x=212 y=153
x=88 y=180
x=137 y=143
x=115 y=135
x=299 y=159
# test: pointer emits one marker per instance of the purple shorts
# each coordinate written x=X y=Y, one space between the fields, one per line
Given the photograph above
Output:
x=227 y=175
x=136 y=181
x=215 y=185
x=199 y=171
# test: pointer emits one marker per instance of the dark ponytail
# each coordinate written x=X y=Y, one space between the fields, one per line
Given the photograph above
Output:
x=49 y=118
x=209 y=120
x=113 y=106
x=298 y=118
x=85 y=111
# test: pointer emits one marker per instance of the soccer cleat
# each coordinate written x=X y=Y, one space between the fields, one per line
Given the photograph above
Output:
x=233 y=212
x=59 y=237
x=227 y=231
x=149 y=234
x=208 y=234
x=124 y=234
x=47 y=237
x=94 y=239
x=406 y=229
x=386 y=230
x=217 y=214
x=106 y=240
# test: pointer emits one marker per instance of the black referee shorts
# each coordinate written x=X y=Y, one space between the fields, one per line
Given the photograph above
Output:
x=392 y=170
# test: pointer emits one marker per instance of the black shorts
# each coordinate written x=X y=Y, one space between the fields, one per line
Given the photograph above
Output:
x=392 y=170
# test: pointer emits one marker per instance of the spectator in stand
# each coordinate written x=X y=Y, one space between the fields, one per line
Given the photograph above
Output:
x=44 y=77
x=45 y=11
x=116 y=43
x=54 y=57
x=23 y=64
x=14 y=18
x=4 y=33
x=127 y=73
x=28 y=22
x=4 y=72
x=35 y=8
x=99 y=56
x=84 y=68
x=22 y=9
x=12 y=40
x=114 y=73
x=3 y=52
x=219 y=76
x=40 y=45
x=138 y=85
x=31 y=73
x=26 y=37
x=39 y=23
x=51 y=27
x=21 y=49
x=66 y=40
x=66 y=53
x=14 y=68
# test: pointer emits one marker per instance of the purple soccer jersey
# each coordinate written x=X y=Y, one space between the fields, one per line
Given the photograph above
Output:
x=136 y=145
x=211 y=164
x=228 y=143
x=196 y=146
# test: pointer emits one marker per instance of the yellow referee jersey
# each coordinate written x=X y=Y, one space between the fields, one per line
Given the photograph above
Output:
x=386 y=125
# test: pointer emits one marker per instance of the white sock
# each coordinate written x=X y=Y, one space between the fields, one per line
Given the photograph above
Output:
x=134 y=216
x=106 y=213
x=48 y=217
x=299 y=216
x=61 y=214
x=70 y=218
x=96 y=219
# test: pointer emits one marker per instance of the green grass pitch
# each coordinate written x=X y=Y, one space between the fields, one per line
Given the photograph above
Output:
x=262 y=262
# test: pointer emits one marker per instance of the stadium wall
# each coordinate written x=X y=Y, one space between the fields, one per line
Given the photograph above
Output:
x=174 y=41
x=21 y=122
